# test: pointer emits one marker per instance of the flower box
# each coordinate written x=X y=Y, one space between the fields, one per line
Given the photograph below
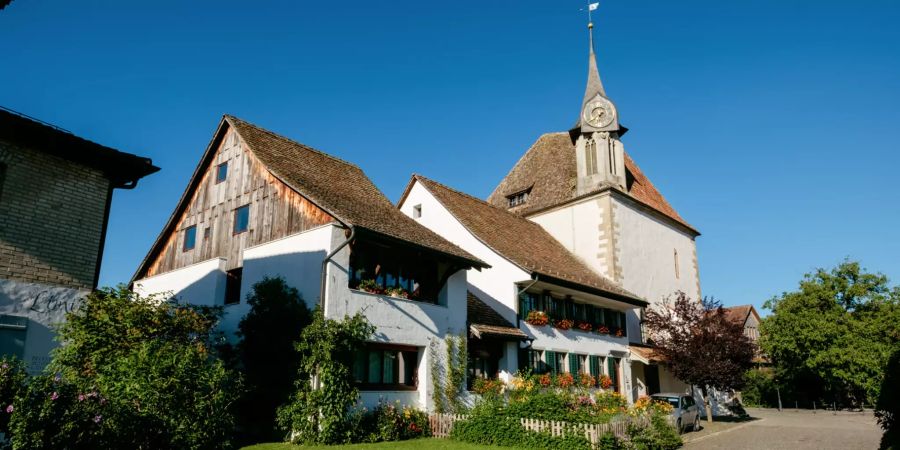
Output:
x=564 y=324
x=603 y=329
x=537 y=318
x=584 y=326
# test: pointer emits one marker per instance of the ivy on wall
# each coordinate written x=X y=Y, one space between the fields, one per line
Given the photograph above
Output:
x=449 y=374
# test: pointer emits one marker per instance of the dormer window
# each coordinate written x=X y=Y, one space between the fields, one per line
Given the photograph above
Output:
x=519 y=198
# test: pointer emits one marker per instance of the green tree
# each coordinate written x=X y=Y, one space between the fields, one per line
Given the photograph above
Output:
x=266 y=354
x=320 y=412
x=831 y=339
x=132 y=372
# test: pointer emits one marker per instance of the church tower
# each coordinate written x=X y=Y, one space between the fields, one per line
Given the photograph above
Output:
x=600 y=154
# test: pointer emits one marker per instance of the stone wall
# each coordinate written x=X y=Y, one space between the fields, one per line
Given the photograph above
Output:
x=51 y=218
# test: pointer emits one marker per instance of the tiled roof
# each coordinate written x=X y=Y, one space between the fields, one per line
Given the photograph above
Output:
x=548 y=168
x=521 y=241
x=486 y=321
x=340 y=188
x=739 y=313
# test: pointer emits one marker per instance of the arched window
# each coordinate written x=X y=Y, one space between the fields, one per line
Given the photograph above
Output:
x=590 y=156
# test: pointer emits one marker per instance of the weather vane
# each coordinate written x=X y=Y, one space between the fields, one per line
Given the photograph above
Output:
x=591 y=7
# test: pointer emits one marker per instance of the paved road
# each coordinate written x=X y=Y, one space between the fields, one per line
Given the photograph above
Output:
x=794 y=430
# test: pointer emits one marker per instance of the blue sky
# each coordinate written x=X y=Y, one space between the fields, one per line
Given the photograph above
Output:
x=769 y=125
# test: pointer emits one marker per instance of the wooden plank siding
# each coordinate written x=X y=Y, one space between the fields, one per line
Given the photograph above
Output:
x=276 y=211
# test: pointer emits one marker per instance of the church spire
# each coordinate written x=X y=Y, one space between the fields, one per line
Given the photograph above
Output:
x=600 y=156
x=594 y=85
x=597 y=111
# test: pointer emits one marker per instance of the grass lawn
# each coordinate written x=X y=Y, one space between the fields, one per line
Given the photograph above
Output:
x=419 y=444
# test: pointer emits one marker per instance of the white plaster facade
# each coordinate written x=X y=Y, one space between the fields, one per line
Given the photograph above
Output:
x=498 y=286
x=298 y=259
x=32 y=310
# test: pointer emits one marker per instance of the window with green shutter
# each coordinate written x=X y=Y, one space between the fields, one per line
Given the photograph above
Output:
x=573 y=364
x=560 y=362
x=595 y=365
x=612 y=367
x=551 y=362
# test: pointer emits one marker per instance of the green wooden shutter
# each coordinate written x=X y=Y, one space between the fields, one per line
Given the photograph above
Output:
x=595 y=365
x=624 y=324
x=573 y=363
x=551 y=361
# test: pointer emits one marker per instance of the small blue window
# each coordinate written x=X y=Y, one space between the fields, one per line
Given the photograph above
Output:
x=241 y=219
x=190 y=238
x=221 y=172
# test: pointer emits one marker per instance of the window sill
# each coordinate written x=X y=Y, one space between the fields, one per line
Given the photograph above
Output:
x=387 y=388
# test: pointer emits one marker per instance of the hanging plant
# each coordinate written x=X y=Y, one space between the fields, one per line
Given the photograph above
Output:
x=537 y=318
x=584 y=326
x=603 y=329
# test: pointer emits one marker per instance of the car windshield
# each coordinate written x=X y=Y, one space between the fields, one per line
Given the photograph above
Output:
x=670 y=400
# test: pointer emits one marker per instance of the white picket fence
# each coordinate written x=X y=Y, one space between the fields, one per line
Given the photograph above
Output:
x=442 y=424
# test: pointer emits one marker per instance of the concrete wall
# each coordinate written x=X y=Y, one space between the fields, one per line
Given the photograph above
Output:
x=51 y=218
x=43 y=306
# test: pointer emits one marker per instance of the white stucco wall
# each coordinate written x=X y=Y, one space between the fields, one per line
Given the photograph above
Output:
x=198 y=284
x=578 y=228
x=495 y=286
x=646 y=249
x=297 y=259
x=43 y=306
x=399 y=321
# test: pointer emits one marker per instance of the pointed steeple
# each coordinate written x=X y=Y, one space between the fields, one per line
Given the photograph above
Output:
x=598 y=113
x=594 y=85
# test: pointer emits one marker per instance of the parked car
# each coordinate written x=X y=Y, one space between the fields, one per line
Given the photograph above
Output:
x=685 y=409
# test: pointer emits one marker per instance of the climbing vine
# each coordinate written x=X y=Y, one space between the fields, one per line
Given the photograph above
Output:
x=320 y=412
x=449 y=375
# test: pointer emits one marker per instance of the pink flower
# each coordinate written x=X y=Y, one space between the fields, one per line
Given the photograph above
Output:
x=54 y=396
x=80 y=397
x=97 y=418
x=10 y=409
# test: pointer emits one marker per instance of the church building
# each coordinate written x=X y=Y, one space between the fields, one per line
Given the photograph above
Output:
x=627 y=248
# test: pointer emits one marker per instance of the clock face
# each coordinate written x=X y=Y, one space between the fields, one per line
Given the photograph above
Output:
x=599 y=113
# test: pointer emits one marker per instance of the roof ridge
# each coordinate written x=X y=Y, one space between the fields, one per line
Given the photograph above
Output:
x=285 y=138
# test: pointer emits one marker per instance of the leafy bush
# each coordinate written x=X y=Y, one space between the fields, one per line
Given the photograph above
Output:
x=760 y=388
x=12 y=385
x=133 y=373
x=487 y=387
x=490 y=424
x=320 y=411
x=54 y=413
x=392 y=422
x=658 y=436
x=266 y=355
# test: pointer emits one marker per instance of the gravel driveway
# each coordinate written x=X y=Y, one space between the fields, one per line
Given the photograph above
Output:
x=794 y=430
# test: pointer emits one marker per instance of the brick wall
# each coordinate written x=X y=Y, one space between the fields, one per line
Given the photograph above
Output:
x=51 y=218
